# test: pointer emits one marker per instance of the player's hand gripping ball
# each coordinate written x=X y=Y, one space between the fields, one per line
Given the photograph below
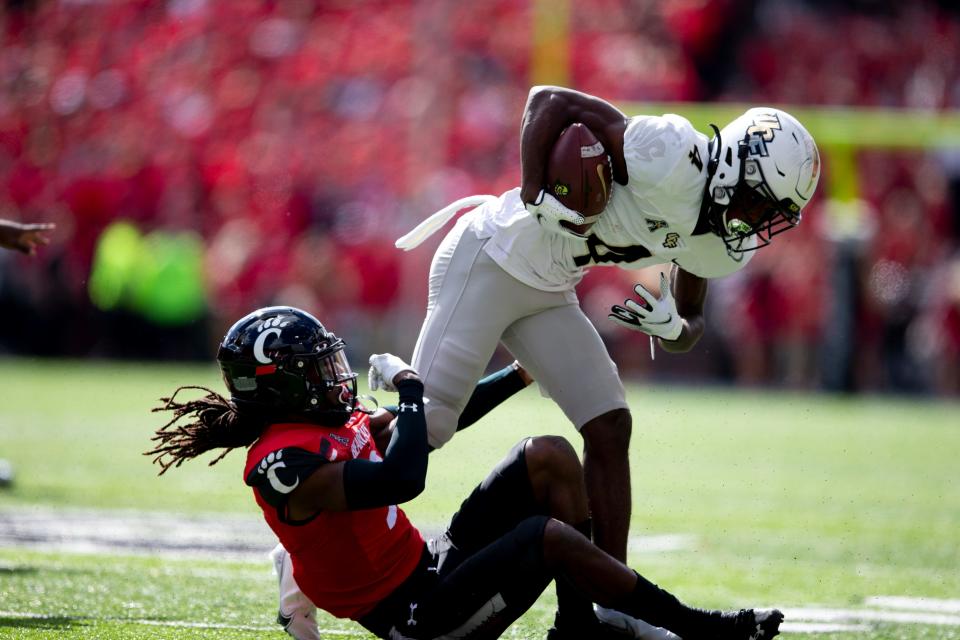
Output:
x=579 y=175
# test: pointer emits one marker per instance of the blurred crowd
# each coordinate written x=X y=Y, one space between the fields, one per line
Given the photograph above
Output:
x=204 y=157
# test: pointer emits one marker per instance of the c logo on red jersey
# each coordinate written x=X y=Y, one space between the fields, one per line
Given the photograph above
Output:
x=269 y=465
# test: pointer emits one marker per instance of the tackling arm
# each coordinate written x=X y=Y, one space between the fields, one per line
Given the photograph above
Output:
x=365 y=484
x=548 y=111
x=690 y=292
x=382 y=425
x=489 y=393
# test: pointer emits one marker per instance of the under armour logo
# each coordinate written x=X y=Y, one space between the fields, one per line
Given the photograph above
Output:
x=411 y=622
x=408 y=407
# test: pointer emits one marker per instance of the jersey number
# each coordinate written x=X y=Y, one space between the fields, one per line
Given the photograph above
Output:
x=600 y=253
x=695 y=158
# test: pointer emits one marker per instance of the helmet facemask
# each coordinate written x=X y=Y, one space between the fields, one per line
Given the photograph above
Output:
x=771 y=153
x=330 y=383
x=758 y=212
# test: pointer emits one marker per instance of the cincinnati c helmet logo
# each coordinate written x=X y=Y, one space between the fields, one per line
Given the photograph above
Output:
x=270 y=327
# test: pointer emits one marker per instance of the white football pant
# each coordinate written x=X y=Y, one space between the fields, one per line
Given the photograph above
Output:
x=474 y=305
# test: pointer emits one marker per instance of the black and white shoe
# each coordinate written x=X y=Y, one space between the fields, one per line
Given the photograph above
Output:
x=748 y=624
x=745 y=624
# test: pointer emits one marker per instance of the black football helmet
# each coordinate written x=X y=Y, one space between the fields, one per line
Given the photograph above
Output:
x=282 y=363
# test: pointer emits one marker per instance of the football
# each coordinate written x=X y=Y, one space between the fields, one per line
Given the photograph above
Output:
x=579 y=173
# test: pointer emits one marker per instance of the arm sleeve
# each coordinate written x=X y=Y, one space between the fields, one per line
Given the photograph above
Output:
x=489 y=393
x=401 y=475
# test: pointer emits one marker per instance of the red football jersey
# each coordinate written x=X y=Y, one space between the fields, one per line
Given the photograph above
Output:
x=346 y=561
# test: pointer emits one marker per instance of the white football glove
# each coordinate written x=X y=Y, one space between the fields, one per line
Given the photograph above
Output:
x=384 y=367
x=548 y=212
x=656 y=318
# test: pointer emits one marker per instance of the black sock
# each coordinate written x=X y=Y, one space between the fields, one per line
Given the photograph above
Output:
x=653 y=605
x=574 y=610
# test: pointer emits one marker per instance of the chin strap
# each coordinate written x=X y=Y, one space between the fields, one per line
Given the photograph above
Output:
x=714 y=161
x=361 y=406
x=704 y=223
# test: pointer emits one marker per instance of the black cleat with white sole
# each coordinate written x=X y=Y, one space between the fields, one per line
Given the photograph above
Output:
x=754 y=624
x=746 y=624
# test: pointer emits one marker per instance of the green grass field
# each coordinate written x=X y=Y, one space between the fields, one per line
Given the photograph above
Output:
x=812 y=503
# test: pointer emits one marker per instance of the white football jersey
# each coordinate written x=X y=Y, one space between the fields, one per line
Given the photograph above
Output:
x=649 y=221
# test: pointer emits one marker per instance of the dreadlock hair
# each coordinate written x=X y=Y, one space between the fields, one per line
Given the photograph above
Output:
x=215 y=424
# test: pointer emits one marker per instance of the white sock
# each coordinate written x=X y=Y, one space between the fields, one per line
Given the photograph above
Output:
x=633 y=626
x=294 y=605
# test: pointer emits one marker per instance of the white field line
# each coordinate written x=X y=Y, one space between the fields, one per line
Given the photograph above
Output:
x=240 y=627
x=227 y=536
x=661 y=543
x=823 y=614
x=799 y=620
x=914 y=604
x=821 y=627
x=188 y=624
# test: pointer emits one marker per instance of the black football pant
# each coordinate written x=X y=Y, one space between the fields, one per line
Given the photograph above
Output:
x=483 y=573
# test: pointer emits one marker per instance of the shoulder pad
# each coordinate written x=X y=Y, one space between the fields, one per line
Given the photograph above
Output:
x=280 y=472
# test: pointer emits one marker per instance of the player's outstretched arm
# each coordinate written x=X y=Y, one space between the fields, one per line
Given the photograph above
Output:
x=676 y=317
x=489 y=393
x=24 y=237
x=366 y=484
x=548 y=111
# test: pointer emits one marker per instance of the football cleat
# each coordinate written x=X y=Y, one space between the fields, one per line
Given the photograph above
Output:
x=746 y=624
x=751 y=624
x=296 y=614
